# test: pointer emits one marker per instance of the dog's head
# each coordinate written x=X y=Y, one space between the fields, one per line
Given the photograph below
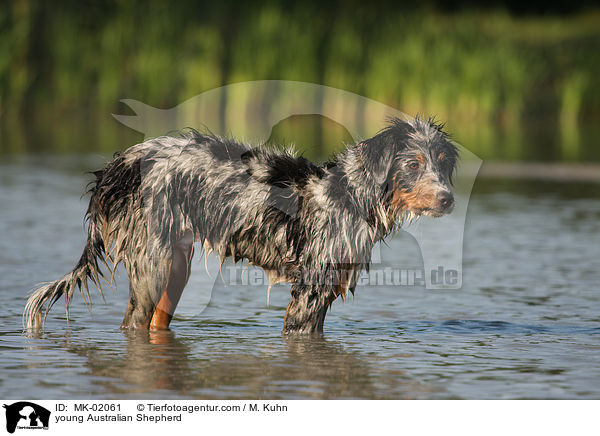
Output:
x=413 y=163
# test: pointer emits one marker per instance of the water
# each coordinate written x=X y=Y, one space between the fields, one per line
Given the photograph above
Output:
x=526 y=323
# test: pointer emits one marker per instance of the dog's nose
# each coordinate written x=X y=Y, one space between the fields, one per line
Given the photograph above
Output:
x=446 y=200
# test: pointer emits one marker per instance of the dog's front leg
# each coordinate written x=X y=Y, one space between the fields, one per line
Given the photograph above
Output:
x=306 y=312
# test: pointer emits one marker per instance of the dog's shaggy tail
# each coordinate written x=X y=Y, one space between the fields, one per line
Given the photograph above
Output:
x=113 y=192
x=43 y=298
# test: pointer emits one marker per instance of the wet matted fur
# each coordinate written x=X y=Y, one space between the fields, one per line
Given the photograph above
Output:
x=310 y=225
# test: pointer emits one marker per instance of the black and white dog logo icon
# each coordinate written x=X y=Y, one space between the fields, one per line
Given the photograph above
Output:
x=24 y=414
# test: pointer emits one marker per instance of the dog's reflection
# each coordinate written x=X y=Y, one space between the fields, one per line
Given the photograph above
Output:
x=293 y=367
x=289 y=367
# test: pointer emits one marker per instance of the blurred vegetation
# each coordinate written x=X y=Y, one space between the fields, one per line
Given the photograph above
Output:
x=508 y=86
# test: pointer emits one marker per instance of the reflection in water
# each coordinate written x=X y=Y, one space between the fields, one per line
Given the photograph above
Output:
x=153 y=361
x=298 y=367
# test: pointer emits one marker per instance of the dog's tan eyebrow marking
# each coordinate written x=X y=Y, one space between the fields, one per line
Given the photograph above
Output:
x=420 y=158
x=441 y=156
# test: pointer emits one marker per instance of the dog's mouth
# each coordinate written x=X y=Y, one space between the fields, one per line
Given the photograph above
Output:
x=428 y=211
x=434 y=212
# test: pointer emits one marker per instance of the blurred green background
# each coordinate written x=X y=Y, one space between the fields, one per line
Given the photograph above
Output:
x=511 y=82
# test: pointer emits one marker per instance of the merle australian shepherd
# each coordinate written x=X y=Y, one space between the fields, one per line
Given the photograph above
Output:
x=313 y=226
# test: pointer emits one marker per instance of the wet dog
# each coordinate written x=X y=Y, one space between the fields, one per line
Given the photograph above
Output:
x=313 y=226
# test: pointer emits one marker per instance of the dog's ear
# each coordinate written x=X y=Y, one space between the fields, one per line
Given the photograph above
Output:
x=378 y=153
x=376 y=158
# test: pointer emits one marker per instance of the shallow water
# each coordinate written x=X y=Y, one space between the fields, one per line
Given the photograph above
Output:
x=526 y=323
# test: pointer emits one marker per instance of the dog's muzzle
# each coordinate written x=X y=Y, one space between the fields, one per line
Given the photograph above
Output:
x=445 y=201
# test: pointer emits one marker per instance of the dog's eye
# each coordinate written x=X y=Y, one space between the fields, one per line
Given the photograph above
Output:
x=414 y=165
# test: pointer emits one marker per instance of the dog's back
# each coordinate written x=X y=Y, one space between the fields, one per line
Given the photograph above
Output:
x=236 y=200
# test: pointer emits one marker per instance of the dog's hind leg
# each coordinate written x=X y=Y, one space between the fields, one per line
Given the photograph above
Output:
x=130 y=308
x=153 y=296
x=142 y=301
x=179 y=274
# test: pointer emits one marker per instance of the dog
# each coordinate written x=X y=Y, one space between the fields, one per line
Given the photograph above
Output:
x=310 y=225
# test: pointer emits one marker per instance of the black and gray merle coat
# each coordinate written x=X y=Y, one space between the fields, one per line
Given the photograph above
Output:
x=311 y=225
